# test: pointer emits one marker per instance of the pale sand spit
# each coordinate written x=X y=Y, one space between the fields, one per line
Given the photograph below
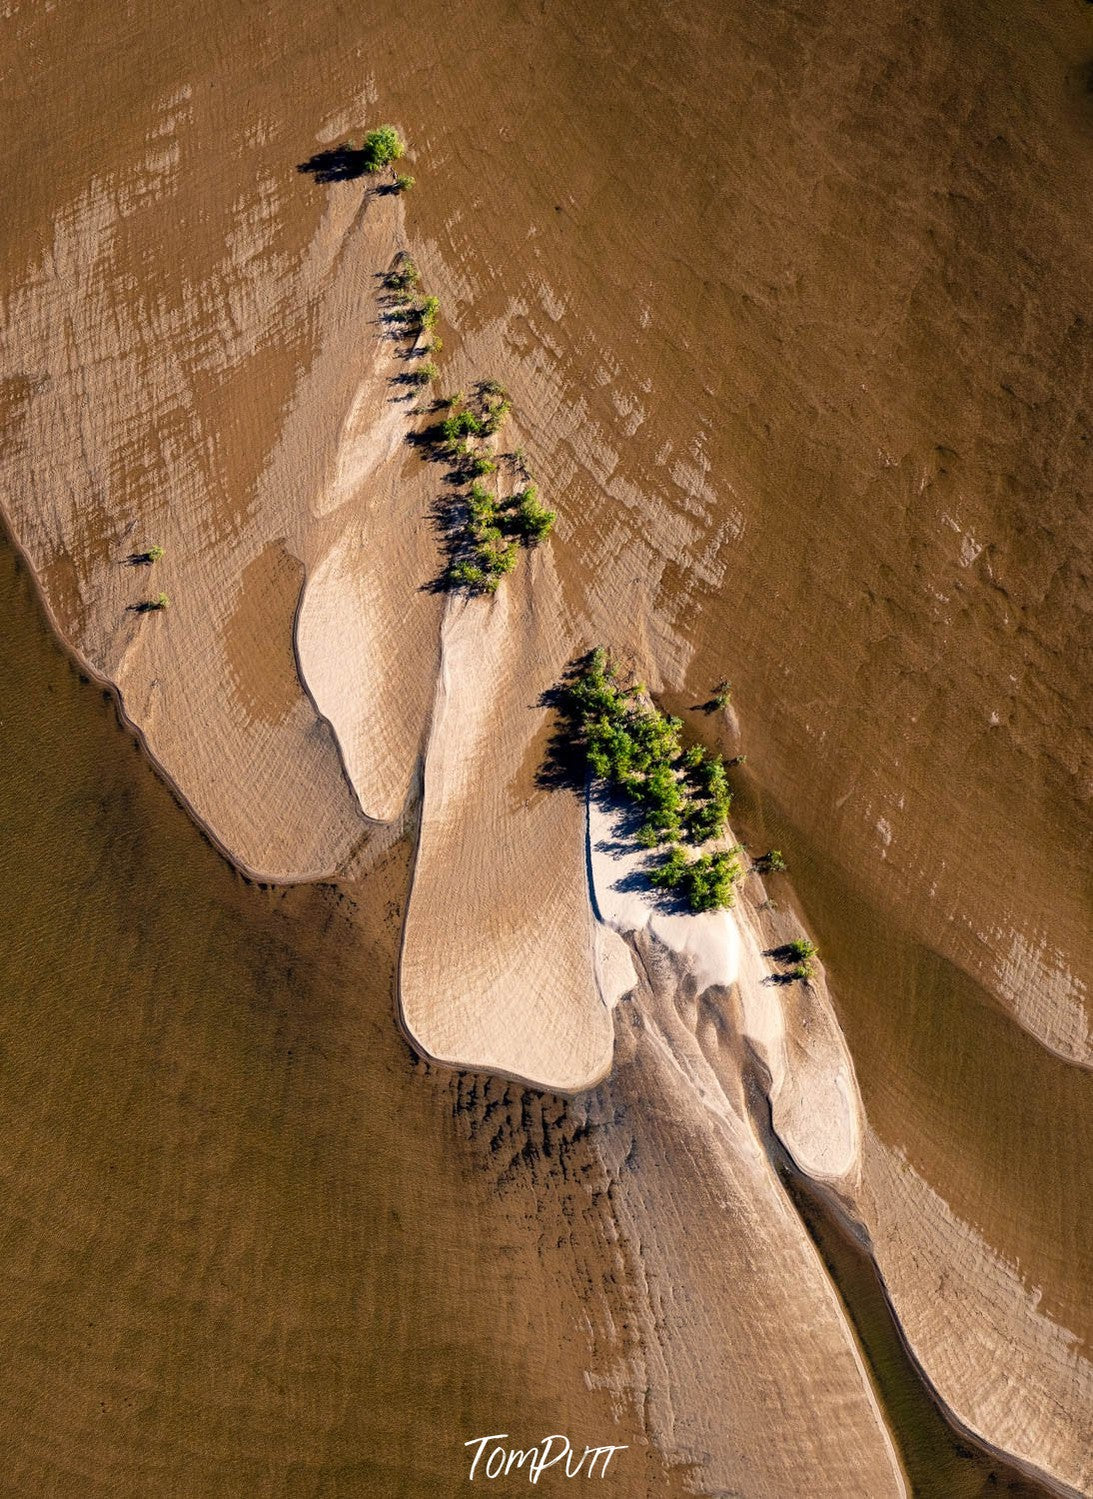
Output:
x=498 y=966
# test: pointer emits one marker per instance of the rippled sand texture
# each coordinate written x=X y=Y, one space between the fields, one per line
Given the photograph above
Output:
x=206 y=377
x=250 y=1245
x=499 y=954
x=791 y=302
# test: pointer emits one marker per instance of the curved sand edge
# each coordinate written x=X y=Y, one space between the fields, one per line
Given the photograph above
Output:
x=817 y=1115
x=939 y=1276
x=501 y=968
x=114 y=451
x=737 y=1315
x=790 y=1030
x=131 y=726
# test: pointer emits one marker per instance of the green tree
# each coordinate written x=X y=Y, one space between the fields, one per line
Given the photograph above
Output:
x=381 y=147
x=533 y=522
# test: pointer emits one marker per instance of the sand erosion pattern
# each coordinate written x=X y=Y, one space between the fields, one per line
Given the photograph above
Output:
x=239 y=397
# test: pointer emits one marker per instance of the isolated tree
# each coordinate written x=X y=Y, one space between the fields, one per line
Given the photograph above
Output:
x=381 y=147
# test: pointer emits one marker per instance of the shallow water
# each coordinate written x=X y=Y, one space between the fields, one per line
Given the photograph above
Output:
x=250 y=1245
x=799 y=297
x=940 y=1462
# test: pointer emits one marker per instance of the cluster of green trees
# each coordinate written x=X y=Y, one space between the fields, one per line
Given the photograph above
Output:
x=531 y=520
x=403 y=279
x=706 y=881
x=683 y=794
x=496 y=527
x=418 y=315
x=487 y=554
x=486 y=549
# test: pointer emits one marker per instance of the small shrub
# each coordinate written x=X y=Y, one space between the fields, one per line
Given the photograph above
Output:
x=483 y=465
x=460 y=424
x=161 y=601
x=429 y=311
x=427 y=373
x=803 y=971
x=533 y=522
x=403 y=184
x=154 y=554
x=772 y=862
x=721 y=694
x=802 y=951
x=496 y=405
x=709 y=881
x=468 y=574
x=502 y=558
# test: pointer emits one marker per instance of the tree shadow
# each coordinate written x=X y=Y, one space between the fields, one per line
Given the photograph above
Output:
x=338 y=164
x=430 y=441
x=565 y=766
x=140 y=559
x=413 y=378
x=451 y=521
x=637 y=882
x=146 y=606
x=783 y=954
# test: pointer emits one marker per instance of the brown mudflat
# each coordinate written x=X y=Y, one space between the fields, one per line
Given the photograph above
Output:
x=251 y=1244
x=792 y=303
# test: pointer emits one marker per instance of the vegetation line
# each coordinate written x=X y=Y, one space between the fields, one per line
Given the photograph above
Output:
x=684 y=794
x=627 y=742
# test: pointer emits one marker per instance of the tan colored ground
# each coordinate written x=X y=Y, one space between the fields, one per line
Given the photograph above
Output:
x=498 y=965
x=811 y=412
